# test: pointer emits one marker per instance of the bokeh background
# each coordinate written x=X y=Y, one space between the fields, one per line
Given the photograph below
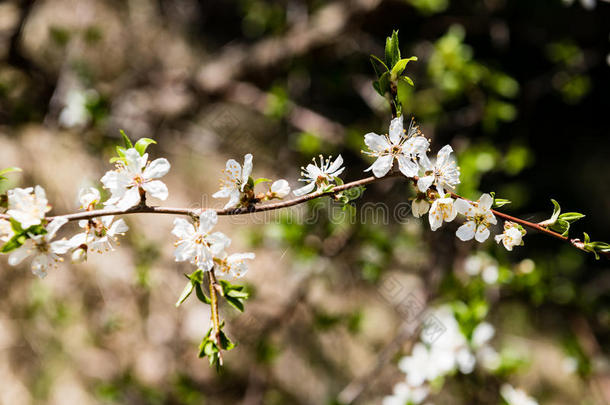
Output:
x=519 y=88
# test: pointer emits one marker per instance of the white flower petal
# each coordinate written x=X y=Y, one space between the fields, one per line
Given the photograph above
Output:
x=305 y=189
x=424 y=183
x=130 y=198
x=464 y=207
x=381 y=166
x=482 y=233
x=485 y=202
x=407 y=167
x=207 y=220
x=376 y=143
x=335 y=165
x=183 y=229
x=156 y=189
x=396 y=130
x=19 y=254
x=247 y=170
x=156 y=169
x=466 y=231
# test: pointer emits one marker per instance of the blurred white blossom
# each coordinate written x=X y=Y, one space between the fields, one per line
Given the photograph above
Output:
x=27 y=205
x=45 y=253
x=516 y=396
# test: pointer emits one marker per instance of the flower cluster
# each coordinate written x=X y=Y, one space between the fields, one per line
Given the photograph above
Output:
x=29 y=233
x=441 y=354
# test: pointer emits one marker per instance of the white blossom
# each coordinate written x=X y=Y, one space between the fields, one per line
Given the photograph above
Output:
x=88 y=197
x=6 y=230
x=478 y=218
x=442 y=210
x=196 y=244
x=511 y=237
x=406 y=394
x=100 y=235
x=234 y=264
x=45 y=253
x=27 y=205
x=482 y=334
x=404 y=146
x=236 y=178
x=419 y=366
x=280 y=188
x=133 y=173
x=516 y=396
x=444 y=173
x=319 y=176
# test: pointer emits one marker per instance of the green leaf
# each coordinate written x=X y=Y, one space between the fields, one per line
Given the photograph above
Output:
x=186 y=292
x=13 y=243
x=201 y=295
x=261 y=180
x=8 y=170
x=400 y=66
x=142 y=144
x=408 y=80
x=384 y=83
x=234 y=294
x=376 y=59
x=392 y=51
x=126 y=139
x=556 y=211
x=560 y=226
x=571 y=217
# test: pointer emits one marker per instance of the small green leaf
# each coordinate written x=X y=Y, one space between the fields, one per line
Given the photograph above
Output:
x=261 y=180
x=556 y=211
x=408 y=80
x=384 y=83
x=142 y=144
x=571 y=216
x=8 y=170
x=13 y=243
x=392 y=51
x=400 y=66
x=201 y=295
x=126 y=139
x=560 y=226
x=186 y=292
x=376 y=59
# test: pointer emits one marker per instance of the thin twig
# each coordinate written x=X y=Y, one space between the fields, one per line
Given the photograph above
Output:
x=145 y=209
x=215 y=315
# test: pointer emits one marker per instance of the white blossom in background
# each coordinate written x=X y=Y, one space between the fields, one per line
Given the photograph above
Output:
x=442 y=210
x=406 y=394
x=482 y=334
x=236 y=178
x=450 y=351
x=484 y=265
x=195 y=242
x=404 y=146
x=131 y=174
x=6 y=230
x=27 y=205
x=45 y=253
x=280 y=188
x=235 y=264
x=317 y=177
x=100 y=235
x=516 y=396
x=444 y=173
x=88 y=197
x=419 y=366
x=511 y=237
x=478 y=218
x=75 y=112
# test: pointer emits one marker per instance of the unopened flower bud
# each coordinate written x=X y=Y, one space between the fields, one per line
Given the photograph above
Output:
x=280 y=188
